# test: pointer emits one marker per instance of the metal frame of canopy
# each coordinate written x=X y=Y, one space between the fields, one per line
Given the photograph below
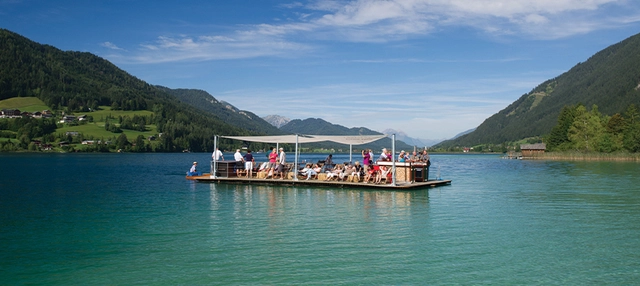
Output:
x=297 y=139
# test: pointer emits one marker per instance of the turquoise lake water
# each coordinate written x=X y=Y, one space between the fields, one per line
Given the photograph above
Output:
x=133 y=219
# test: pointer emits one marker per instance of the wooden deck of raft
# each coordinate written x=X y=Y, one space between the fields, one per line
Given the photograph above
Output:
x=320 y=183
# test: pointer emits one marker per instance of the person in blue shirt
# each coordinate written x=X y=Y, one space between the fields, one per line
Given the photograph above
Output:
x=248 y=163
x=193 y=171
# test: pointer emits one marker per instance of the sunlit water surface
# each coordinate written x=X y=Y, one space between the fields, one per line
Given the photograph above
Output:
x=134 y=219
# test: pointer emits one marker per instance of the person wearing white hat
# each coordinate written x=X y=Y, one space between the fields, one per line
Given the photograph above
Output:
x=193 y=171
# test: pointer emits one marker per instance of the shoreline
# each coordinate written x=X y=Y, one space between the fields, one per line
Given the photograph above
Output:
x=574 y=156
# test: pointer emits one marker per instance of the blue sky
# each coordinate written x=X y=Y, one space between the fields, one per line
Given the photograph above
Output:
x=430 y=68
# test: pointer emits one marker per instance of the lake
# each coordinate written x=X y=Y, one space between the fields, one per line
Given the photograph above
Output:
x=134 y=219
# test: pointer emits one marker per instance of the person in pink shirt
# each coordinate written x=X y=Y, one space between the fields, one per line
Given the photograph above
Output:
x=273 y=156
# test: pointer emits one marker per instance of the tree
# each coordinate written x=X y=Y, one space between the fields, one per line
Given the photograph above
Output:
x=586 y=131
x=612 y=139
x=140 y=144
x=631 y=135
x=122 y=142
x=558 y=139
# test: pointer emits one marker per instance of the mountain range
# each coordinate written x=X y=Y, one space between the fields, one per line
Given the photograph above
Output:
x=276 y=120
x=280 y=121
x=318 y=126
x=72 y=81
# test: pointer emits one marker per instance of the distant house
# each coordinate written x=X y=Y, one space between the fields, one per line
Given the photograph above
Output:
x=82 y=117
x=68 y=119
x=37 y=114
x=532 y=150
x=47 y=114
x=10 y=113
x=72 y=133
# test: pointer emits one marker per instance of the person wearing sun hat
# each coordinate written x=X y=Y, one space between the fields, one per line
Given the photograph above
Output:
x=193 y=171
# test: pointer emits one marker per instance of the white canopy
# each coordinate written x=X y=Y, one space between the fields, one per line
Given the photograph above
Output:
x=296 y=139
x=343 y=139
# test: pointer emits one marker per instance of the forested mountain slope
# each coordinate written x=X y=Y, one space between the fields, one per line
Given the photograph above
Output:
x=79 y=82
x=610 y=79
x=204 y=101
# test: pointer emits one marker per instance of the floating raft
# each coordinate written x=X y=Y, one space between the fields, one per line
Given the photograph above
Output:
x=320 y=183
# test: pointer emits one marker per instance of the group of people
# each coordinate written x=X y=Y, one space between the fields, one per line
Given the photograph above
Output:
x=276 y=165
x=374 y=174
x=339 y=172
x=385 y=155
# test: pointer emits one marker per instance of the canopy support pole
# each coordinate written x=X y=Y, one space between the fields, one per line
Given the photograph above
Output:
x=393 y=159
x=295 y=164
x=350 y=153
x=215 y=158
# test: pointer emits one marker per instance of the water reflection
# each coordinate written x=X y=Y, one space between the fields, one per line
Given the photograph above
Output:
x=274 y=202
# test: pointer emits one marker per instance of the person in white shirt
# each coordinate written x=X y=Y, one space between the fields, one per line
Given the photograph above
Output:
x=217 y=155
x=282 y=160
x=239 y=161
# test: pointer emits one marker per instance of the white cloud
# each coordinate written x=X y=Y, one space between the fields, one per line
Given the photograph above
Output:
x=382 y=20
x=390 y=20
x=264 y=41
x=110 y=45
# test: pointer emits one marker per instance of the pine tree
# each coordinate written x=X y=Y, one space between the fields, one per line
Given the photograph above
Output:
x=631 y=137
x=558 y=139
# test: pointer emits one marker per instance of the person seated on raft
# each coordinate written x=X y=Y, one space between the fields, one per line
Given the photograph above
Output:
x=371 y=174
x=193 y=171
x=358 y=171
x=317 y=168
x=335 y=173
x=348 y=170
x=308 y=171
x=381 y=174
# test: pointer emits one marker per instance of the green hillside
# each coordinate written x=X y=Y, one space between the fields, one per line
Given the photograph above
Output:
x=609 y=79
x=78 y=82
x=29 y=104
